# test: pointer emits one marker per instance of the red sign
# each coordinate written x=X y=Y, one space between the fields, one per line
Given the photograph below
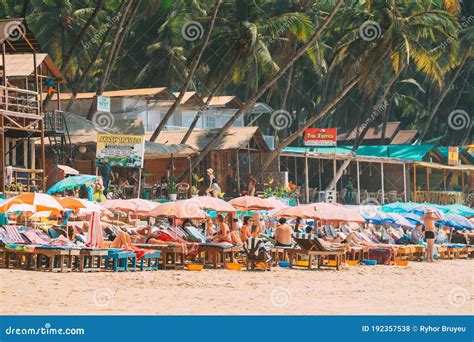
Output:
x=320 y=137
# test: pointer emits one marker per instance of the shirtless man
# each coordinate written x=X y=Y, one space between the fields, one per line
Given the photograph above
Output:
x=283 y=234
x=429 y=219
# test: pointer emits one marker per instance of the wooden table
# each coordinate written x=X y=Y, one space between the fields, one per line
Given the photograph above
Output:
x=90 y=260
x=218 y=254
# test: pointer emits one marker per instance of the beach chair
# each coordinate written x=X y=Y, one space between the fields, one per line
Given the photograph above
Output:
x=256 y=253
x=172 y=256
x=90 y=259
x=312 y=246
x=218 y=253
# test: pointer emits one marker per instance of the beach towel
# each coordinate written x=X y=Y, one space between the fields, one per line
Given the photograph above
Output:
x=254 y=245
x=35 y=238
x=95 y=237
x=197 y=235
x=14 y=234
x=5 y=238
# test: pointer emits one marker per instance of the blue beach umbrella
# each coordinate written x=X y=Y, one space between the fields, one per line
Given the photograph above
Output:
x=71 y=183
x=460 y=209
x=457 y=221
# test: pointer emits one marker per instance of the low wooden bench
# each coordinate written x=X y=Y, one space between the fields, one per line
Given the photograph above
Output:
x=171 y=257
x=217 y=255
x=120 y=261
x=90 y=260
x=321 y=257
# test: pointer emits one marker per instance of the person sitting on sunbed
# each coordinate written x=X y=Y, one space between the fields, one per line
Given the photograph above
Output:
x=209 y=228
x=283 y=234
x=223 y=234
x=245 y=230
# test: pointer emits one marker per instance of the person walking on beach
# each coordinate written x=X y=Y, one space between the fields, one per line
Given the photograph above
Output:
x=429 y=219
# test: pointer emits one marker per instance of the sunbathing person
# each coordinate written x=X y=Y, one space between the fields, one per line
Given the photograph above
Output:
x=245 y=230
x=360 y=240
x=283 y=234
x=223 y=234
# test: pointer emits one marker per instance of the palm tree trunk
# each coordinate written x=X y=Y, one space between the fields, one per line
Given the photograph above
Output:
x=290 y=76
x=251 y=102
x=360 y=137
x=442 y=96
x=24 y=9
x=125 y=10
x=67 y=58
x=324 y=111
x=87 y=70
x=192 y=71
x=216 y=89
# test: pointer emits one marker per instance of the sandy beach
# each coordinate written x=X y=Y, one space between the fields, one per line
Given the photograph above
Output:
x=443 y=288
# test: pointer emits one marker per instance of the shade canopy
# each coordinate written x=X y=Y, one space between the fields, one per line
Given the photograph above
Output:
x=71 y=182
x=303 y=211
x=251 y=203
x=211 y=203
x=179 y=210
x=41 y=202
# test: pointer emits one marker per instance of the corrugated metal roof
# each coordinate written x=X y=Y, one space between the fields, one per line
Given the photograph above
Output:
x=224 y=101
x=373 y=133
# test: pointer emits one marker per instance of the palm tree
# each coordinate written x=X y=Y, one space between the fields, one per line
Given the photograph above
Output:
x=251 y=102
x=192 y=71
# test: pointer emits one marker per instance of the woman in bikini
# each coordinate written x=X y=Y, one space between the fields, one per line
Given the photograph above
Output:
x=223 y=234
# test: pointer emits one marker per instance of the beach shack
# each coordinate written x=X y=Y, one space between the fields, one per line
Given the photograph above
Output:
x=25 y=74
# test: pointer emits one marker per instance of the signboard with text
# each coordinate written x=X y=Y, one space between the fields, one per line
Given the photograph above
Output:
x=120 y=150
x=320 y=137
x=453 y=156
x=103 y=104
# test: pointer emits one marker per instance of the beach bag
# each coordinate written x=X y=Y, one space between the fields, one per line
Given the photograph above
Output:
x=382 y=255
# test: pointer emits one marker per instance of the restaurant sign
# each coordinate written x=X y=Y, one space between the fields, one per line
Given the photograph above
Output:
x=453 y=156
x=103 y=104
x=320 y=137
x=120 y=150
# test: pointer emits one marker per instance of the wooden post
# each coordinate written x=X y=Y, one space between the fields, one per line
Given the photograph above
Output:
x=414 y=182
x=306 y=174
x=382 y=183
x=405 y=182
x=139 y=181
x=238 y=169
x=428 y=183
x=4 y=63
x=58 y=85
x=2 y=153
x=319 y=178
x=444 y=179
x=296 y=172
x=358 y=181
x=334 y=171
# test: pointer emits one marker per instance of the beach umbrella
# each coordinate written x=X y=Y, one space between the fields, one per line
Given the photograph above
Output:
x=21 y=208
x=83 y=206
x=399 y=207
x=179 y=210
x=414 y=218
x=337 y=213
x=210 y=203
x=142 y=206
x=457 y=221
x=377 y=216
x=40 y=201
x=401 y=221
x=71 y=182
x=460 y=209
x=71 y=203
x=120 y=205
x=251 y=203
x=304 y=211
x=276 y=203
x=95 y=237
x=41 y=214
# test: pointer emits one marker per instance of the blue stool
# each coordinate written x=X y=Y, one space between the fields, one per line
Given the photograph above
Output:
x=149 y=261
x=121 y=261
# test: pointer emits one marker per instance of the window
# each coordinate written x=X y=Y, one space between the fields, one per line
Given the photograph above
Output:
x=209 y=121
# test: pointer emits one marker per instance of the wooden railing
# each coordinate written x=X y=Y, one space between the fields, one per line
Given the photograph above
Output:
x=440 y=197
x=23 y=180
x=16 y=100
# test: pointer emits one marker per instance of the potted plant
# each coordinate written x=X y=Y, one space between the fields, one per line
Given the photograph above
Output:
x=195 y=186
x=172 y=188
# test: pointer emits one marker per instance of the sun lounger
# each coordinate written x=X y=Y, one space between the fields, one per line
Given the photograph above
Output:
x=256 y=253
x=14 y=234
x=149 y=261
x=196 y=235
x=90 y=259
x=218 y=253
x=312 y=246
x=172 y=255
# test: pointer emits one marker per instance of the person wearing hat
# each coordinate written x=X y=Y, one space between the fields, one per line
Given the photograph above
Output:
x=213 y=189
x=429 y=219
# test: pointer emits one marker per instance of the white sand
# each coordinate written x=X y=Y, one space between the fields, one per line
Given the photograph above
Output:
x=444 y=288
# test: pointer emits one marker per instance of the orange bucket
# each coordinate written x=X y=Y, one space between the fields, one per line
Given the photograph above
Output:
x=401 y=262
x=194 y=267
x=233 y=266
